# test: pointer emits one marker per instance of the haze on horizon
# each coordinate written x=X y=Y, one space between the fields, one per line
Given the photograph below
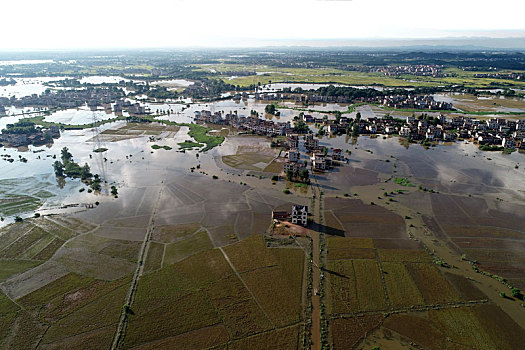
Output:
x=61 y=24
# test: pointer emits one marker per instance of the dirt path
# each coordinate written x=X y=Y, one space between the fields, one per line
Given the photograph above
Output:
x=130 y=297
x=316 y=311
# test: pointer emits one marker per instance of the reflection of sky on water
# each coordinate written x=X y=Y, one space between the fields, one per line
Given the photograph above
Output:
x=80 y=116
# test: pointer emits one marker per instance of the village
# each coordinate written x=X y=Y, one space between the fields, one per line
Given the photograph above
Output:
x=508 y=134
x=397 y=101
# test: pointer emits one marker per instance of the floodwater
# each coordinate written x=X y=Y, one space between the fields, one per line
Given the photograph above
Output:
x=102 y=79
x=132 y=162
x=27 y=86
x=79 y=116
x=172 y=83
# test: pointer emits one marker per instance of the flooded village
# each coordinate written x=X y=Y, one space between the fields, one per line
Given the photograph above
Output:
x=150 y=210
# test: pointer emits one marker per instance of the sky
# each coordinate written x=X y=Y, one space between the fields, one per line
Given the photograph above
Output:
x=66 y=24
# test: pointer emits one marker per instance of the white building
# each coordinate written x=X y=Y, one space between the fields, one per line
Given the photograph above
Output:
x=508 y=143
x=300 y=214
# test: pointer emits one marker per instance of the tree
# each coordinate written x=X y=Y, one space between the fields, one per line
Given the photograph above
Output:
x=516 y=293
x=358 y=116
x=270 y=109
x=305 y=176
x=85 y=172
x=65 y=155
x=59 y=168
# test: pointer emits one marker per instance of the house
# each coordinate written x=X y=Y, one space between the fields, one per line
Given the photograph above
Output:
x=300 y=215
x=308 y=118
x=336 y=154
x=293 y=141
x=372 y=128
x=293 y=155
x=280 y=215
x=311 y=143
x=319 y=161
x=390 y=129
x=294 y=167
x=404 y=131
x=333 y=128
x=508 y=143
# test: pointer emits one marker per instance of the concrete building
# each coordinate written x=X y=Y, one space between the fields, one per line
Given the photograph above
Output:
x=300 y=215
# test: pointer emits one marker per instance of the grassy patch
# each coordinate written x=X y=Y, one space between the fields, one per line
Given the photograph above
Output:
x=188 y=144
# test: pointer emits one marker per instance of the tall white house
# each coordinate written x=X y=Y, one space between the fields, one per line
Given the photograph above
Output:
x=300 y=214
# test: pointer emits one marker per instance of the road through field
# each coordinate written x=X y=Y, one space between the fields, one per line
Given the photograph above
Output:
x=316 y=312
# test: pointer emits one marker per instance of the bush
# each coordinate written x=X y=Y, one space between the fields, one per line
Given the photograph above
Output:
x=516 y=293
x=275 y=178
x=215 y=177
x=286 y=191
x=37 y=215
x=18 y=219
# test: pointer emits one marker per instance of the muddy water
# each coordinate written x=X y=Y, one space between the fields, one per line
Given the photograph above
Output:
x=132 y=162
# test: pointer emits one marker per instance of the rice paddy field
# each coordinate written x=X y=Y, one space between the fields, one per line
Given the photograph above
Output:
x=394 y=292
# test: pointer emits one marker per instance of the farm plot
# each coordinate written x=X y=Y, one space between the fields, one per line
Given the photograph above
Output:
x=404 y=255
x=203 y=338
x=370 y=293
x=351 y=253
x=286 y=338
x=167 y=292
x=360 y=220
x=10 y=268
x=466 y=289
x=239 y=311
x=432 y=285
x=462 y=326
x=402 y=290
x=63 y=307
x=341 y=287
x=347 y=332
x=418 y=328
x=250 y=253
x=100 y=314
x=196 y=243
x=276 y=295
x=154 y=257
x=173 y=233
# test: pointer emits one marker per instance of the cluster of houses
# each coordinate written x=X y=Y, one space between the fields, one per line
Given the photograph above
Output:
x=415 y=69
x=392 y=101
x=495 y=131
x=131 y=108
x=415 y=102
x=66 y=98
x=38 y=137
x=250 y=124
x=320 y=158
x=298 y=216
x=510 y=76
x=303 y=98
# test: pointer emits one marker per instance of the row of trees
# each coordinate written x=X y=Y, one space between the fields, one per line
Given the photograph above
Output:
x=298 y=176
